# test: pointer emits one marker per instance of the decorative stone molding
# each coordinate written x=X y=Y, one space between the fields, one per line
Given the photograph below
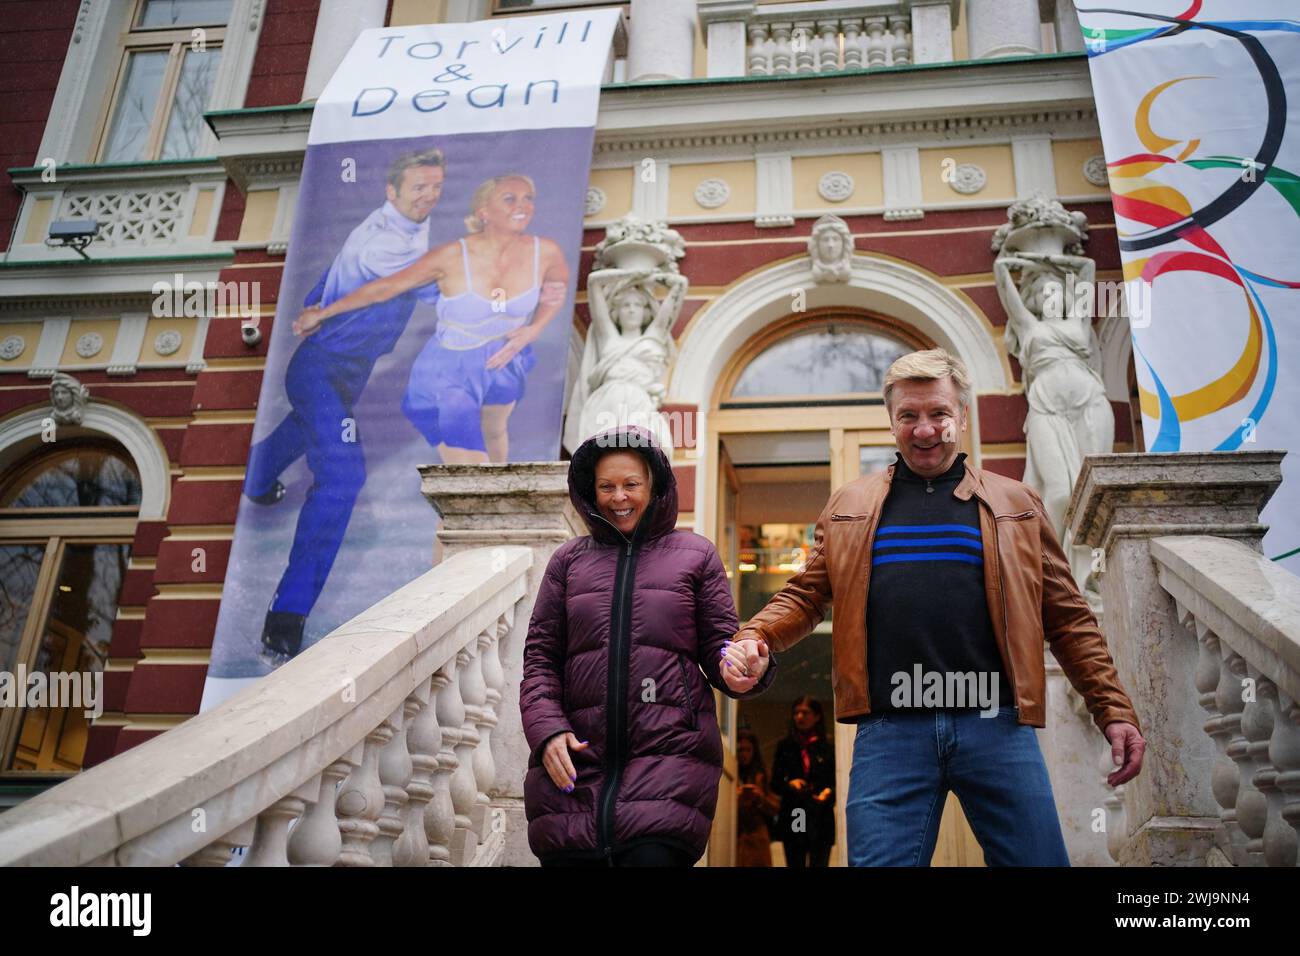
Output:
x=595 y=201
x=1094 y=170
x=68 y=398
x=968 y=179
x=830 y=246
x=774 y=181
x=89 y=344
x=80 y=28
x=835 y=186
x=167 y=342
x=1034 y=164
x=712 y=193
x=12 y=347
x=901 y=167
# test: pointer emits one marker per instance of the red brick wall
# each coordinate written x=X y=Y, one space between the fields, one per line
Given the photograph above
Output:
x=34 y=37
x=280 y=67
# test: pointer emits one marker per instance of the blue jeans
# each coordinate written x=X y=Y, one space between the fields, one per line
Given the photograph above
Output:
x=904 y=764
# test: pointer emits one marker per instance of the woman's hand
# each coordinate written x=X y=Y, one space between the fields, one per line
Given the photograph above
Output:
x=308 y=321
x=515 y=342
x=823 y=796
x=798 y=784
x=743 y=664
x=556 y=760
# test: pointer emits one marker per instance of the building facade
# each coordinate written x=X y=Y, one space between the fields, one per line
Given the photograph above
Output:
x=126 y=411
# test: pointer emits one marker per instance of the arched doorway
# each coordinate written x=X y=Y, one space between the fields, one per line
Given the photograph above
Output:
x=798 y=413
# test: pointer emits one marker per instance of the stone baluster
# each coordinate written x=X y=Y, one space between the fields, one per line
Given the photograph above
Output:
x=854 y=40
x=782 y=54
x=1113 y=802
x=1284 y=754
x=451 y=714
x=440 y=814
x=1252 y=759
x=828 y=50
x=760 y=50
x=1223 y=774
x=219 y=851
x=805 y=45
x=270 y=846
x=316 y=840
x=423 y=739
x=362 y=799
x=394 y=774
x=900 y=51
x=1226 y=731
x=494 y=682
x=473 y=693
x=1279 y=839
x=877 y=53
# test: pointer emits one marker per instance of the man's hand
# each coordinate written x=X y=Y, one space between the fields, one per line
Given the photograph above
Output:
x=516 y=339
x=553 y=293
x=308 y=322
x=743 y=664
x=555 y=758
x=1126 y=749
x=823 y=796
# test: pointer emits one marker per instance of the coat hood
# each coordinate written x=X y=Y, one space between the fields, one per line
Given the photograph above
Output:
x=660 y=516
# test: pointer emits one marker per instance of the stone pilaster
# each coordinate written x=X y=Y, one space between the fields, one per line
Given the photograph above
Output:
x=482 y=506
x=661 y=40
x=1003 y=28
x=1120 y=503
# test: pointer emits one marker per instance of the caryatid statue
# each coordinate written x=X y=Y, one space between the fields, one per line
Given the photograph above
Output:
x=831 y=248
x=629 y=344
x=1046 y=285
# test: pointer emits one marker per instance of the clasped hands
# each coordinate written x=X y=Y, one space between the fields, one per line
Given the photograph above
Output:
x=743 y=663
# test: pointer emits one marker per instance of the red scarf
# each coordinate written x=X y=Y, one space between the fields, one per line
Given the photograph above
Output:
x=806 y=741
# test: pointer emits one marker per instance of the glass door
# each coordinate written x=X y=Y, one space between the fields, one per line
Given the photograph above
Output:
x=722 y=838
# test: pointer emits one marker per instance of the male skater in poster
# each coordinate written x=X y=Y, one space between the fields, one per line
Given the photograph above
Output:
x=323 y=381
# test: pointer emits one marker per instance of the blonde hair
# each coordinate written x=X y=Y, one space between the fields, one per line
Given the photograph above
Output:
x=929 y=365
x=484 y=192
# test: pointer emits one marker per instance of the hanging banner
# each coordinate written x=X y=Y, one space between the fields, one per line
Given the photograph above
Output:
x=1199 y=106
x=424 y=314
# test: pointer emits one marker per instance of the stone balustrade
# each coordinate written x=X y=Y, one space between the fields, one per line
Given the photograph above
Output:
x=395 y=741
x=1204 y=632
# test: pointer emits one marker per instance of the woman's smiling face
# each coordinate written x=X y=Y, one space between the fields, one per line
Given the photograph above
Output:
x=622 y=489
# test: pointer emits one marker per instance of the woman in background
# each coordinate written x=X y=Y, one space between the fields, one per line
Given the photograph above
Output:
x=756 y=805
x=803 y=776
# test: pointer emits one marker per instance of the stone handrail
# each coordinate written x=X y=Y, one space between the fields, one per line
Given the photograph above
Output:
x=1244 y=612
x=376 y=740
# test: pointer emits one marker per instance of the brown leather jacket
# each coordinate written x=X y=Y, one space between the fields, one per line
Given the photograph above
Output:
x=1032 y=597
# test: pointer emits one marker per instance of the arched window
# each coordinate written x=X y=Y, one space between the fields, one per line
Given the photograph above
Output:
x=826 y=360
x=67 y=518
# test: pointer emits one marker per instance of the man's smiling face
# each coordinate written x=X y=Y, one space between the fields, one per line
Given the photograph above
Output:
x=927 y=419
x=419 y=193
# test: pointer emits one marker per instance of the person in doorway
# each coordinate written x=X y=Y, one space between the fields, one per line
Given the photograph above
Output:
x=323 y=382
x=803 y=776
x=755 y=803
x=947 y=578
x=630 y=630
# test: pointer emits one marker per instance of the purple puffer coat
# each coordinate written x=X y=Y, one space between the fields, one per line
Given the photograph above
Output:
x=620 y=632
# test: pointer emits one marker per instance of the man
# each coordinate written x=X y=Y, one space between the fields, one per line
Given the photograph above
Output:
x=946 y=579
x=323 y=381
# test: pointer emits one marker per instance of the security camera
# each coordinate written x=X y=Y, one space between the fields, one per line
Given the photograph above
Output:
x=251 y=335
x=74 y=234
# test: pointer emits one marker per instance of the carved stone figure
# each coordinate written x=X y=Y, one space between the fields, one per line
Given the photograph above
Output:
x=831 y=248
x=629 y=344
x=1046 y=285
x=68 y=398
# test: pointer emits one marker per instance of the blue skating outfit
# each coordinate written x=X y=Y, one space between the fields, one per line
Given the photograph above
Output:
x=323 y=381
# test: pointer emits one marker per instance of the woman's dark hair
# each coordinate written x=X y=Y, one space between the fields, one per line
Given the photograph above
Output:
x=746 y=773
x=813 y=704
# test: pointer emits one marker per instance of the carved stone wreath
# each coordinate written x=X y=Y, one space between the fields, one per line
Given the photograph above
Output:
x=968 y=179
x=1094 y=170
x=712 y=193
x=835 y=186
x=595 y=200
x=12 y=347
x=167 y=342
x=89 y=344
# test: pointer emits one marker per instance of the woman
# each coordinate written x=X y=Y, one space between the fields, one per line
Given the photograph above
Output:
x=803 y=776
x=629 y=348
x=755 y=804
x=469 y=376
x=625 y=754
